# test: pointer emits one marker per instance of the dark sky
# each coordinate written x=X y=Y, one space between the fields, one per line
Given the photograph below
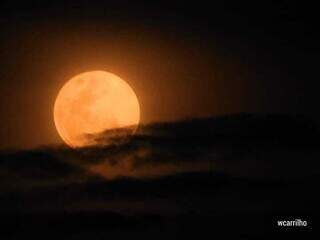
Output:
x=182 y=59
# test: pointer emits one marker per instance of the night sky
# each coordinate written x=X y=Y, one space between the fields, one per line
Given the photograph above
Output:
x=229 y=138
x=183 y=60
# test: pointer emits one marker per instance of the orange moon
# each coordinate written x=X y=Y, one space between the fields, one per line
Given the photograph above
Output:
x=91 y=103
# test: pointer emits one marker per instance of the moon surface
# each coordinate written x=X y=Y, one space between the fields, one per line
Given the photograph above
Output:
x=91 y=103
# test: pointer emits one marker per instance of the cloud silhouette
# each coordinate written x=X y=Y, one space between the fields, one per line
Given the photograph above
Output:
x=199 y=171
x=244 y=144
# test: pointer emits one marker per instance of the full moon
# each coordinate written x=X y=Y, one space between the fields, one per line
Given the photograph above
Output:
x=91 y=103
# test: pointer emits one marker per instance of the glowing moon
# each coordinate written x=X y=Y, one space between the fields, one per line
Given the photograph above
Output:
x=91 y=103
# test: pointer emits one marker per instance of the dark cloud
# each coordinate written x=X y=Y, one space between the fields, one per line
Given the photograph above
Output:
x=192 y=173
x=234 y=143
x=244 y=144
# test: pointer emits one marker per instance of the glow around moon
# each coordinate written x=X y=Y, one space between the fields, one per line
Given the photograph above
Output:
x=91 y=103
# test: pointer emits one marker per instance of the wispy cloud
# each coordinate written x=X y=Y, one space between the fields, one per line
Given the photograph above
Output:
x=241 y=144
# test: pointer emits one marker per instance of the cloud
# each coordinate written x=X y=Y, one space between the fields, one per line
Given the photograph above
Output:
x=248 y=145
x=244 y=144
